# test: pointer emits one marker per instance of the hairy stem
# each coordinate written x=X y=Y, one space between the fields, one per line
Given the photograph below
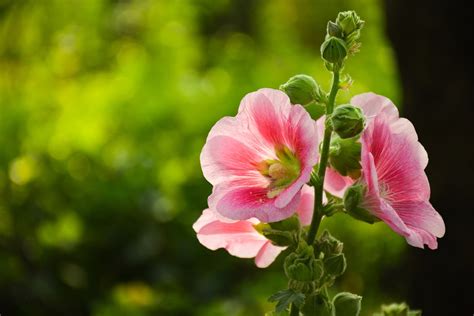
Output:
x=323 y=161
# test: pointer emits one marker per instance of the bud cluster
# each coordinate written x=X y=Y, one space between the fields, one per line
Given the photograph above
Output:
x=342 y=37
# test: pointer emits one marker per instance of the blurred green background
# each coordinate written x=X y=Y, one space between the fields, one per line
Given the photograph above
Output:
x=104 y=108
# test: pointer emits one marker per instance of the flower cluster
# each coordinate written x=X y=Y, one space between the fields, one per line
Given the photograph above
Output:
x=361 y=159
x=260 y=160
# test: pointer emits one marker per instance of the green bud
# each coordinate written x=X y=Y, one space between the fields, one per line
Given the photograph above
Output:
x=401 y=309
x=335 y=265
x=347 y=121
x=353 y=198
x=344 y=156
x=328 y=245
x=302 y=89
x=334 y=50
x=349 y=22
x=302 y=266
x=347 y=304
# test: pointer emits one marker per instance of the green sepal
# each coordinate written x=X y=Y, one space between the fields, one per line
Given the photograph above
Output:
x=353 y=198
x=335 y=265
x=328 y=245
x=283 y=233
x=347 y=304
x=344 y=156
x=302 y=266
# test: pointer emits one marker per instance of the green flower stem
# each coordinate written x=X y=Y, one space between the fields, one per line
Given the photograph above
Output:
x=319 y=185
x=294 y=310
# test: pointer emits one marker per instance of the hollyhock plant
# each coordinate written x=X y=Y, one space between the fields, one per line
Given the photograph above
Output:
x=396 y=189
x=272 y=160
x=241 y=239
x=259 y=160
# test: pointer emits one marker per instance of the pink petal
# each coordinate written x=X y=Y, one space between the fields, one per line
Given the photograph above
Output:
x=397 y=161
x=425 y=223
x=372 y=105
x=237 y=201
x=267 y=254
x=239 y=239
x=335 y=183
x=306 y=207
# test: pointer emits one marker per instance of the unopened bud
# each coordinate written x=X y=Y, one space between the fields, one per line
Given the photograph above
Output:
x=334 y=50
x=302 y=89
x=347 y=304
x=349 y=22
x=347 y=121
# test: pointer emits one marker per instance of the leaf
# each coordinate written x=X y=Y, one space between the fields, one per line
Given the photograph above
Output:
x=286 y=297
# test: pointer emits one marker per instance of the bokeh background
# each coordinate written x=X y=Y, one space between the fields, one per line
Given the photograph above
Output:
x=105 y=106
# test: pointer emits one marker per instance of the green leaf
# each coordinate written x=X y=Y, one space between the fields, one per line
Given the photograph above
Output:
x=286 y=297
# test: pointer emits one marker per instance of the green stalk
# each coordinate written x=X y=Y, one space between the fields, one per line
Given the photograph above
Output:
x=319 y=185
x=294 y=310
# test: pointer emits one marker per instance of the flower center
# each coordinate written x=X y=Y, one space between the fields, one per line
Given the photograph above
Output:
x=281 y=171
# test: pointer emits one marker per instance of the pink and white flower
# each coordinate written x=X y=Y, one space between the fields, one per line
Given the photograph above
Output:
x=259 y=160
x=393 y=162
x=240 y=238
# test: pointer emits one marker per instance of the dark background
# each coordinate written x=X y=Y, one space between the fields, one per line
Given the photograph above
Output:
x=431 y=42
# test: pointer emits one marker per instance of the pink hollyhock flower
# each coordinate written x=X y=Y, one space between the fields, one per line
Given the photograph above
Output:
x=240 y=238
x=393 y=162
x=258 y=160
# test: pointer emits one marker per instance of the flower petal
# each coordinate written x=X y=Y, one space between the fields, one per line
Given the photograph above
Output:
x=306 y=207
x=373 y=104
x=241 y=202
x=335 y=183
x=267 y=254
x=239 y=238
x=426 y=224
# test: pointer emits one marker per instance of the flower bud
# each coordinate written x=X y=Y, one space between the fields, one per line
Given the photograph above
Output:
x=328 y=245
x=401 y=309
x=334 y=50
x=347 y=304
x=344 y=156
x=347 y=121
x=301 y=264
x=335 y=265
x=349 y=22
x=302 y=89
x=353 y=198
